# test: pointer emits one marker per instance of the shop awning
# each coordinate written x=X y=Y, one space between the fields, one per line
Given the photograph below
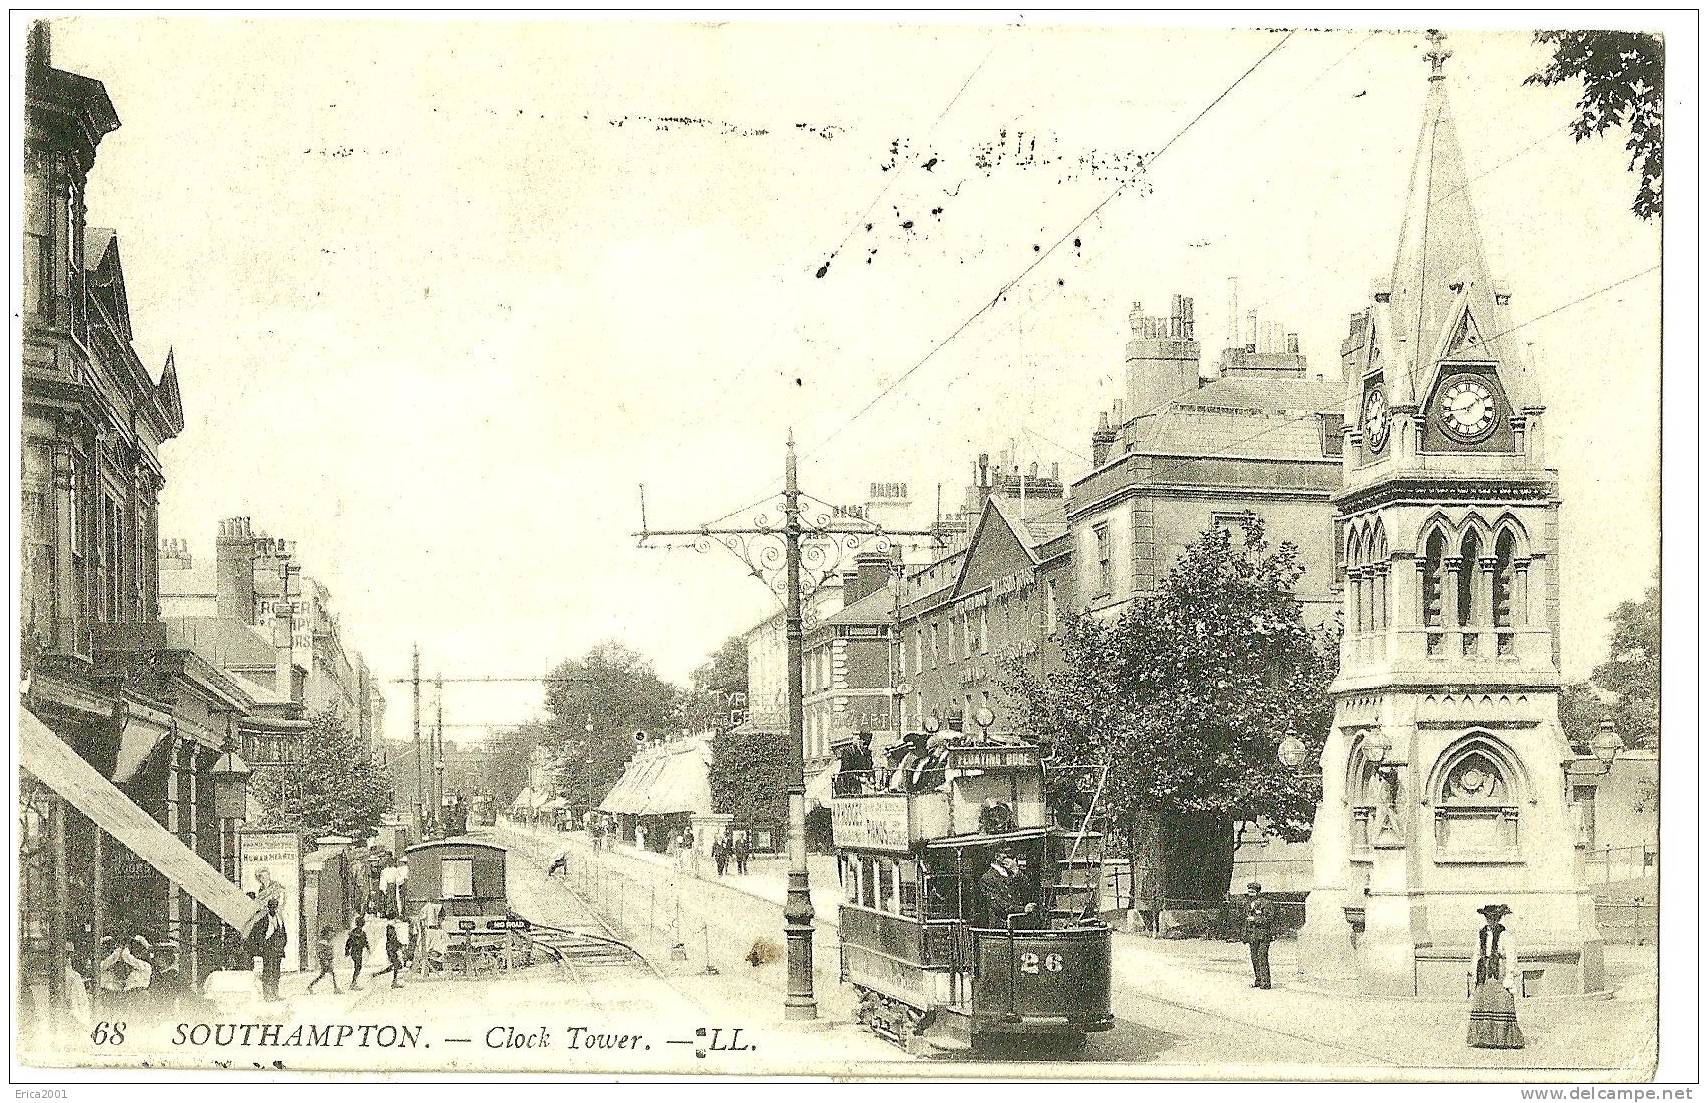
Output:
x=662 y=784
x=628 y=796
x=56 y=765
x=680 y=785
x=554 y=804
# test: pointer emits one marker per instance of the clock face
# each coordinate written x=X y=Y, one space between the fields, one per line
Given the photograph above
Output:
x=1468 y=408
x=1375 y=419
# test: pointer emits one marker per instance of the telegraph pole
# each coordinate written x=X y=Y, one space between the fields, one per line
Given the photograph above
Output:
x=415 y=721
x=439 y=750
x=827 y=537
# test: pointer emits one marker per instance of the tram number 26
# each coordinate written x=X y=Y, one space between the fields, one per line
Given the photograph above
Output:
x=1032 y=963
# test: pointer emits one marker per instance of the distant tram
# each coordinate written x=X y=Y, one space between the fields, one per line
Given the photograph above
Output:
x=455 y=894
x=934 y=968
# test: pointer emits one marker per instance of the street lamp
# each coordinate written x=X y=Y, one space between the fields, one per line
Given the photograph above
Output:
x=1292 y=752
x=230 y=776
x=932 y=724
x=984 y=718
x=1606 y=745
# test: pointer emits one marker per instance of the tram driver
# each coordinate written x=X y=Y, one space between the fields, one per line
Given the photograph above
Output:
x=1004 y=892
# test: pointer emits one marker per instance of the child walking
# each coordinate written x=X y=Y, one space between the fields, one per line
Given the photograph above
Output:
x=393 y=955
x=323 y=957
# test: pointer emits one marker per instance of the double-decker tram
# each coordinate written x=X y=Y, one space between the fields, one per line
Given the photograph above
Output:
x=969 y=916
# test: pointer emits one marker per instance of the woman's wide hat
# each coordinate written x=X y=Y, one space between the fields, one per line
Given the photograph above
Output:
x=1493 y=912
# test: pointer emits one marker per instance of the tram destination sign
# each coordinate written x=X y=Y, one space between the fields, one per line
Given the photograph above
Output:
x=870 y=823
x=989 y=758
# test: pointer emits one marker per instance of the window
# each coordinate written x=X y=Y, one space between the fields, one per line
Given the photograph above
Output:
x=984 y=629
x=936 y=659
x=850 y=869
x=868 y=879
x=1105 y=576
x=907 y=877
x=38 y=246
x=888 y=898
x=457 y=875
x=919 y=649
x=1469 y=552
x=1050 y=607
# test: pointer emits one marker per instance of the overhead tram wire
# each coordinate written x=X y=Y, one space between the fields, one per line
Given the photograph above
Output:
x=1043 y=255
x=889 y=179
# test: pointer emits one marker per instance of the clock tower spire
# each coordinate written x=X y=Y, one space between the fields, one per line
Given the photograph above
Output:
x=1442 y=783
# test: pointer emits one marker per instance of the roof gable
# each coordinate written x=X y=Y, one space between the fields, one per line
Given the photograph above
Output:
x=1000 y=546
x=104 y=276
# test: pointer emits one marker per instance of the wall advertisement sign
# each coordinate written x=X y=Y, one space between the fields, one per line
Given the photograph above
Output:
x=278 y=855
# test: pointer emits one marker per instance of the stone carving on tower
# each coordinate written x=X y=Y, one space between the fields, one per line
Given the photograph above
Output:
x=1442 y=784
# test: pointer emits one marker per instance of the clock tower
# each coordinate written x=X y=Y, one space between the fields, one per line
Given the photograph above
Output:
x=1442 y=779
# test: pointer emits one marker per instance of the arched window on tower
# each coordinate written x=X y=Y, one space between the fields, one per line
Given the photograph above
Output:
x=1355 y=581
x=1505 y=578
x=1472 y=603
x=1470 y=549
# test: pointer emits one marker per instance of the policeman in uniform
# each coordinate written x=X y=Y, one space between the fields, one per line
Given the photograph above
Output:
x=1259 y=930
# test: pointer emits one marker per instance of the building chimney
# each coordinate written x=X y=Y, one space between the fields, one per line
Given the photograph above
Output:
x=1102 y=440
x=1232 y=338
x=983 y=479
x=1293 y=344
x=234 y=570
x=1251 y=331
x=282 y=679
x=871 y=574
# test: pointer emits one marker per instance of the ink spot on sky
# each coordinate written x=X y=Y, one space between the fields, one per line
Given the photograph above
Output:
x=822 y=269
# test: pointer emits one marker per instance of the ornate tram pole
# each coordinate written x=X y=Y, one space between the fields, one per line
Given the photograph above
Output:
x=800 y=1003
x=813 y=548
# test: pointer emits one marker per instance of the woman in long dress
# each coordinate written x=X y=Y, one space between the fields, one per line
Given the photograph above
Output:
x=1494 y=1012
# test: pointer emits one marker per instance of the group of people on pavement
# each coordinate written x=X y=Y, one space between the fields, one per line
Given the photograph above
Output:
x=725 y=852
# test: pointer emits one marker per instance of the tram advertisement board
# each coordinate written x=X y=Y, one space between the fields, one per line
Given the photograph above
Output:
x=992 y=758
x=870 y=822
x=270 y=866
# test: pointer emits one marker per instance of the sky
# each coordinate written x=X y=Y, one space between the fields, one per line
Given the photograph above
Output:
x=444 y=294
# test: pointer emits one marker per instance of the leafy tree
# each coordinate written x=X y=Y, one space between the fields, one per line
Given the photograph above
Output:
x=1185 y=698
x=724 y=672
x=596 y=704
x=1625 y=688
x=1624 y=84
x=750 y=775
x=506 y=765
x=337 y=789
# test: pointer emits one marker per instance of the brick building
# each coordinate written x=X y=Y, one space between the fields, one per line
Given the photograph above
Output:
x=120 y=725
x=1258 y=433
x=996 y=597
x=247 y=582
